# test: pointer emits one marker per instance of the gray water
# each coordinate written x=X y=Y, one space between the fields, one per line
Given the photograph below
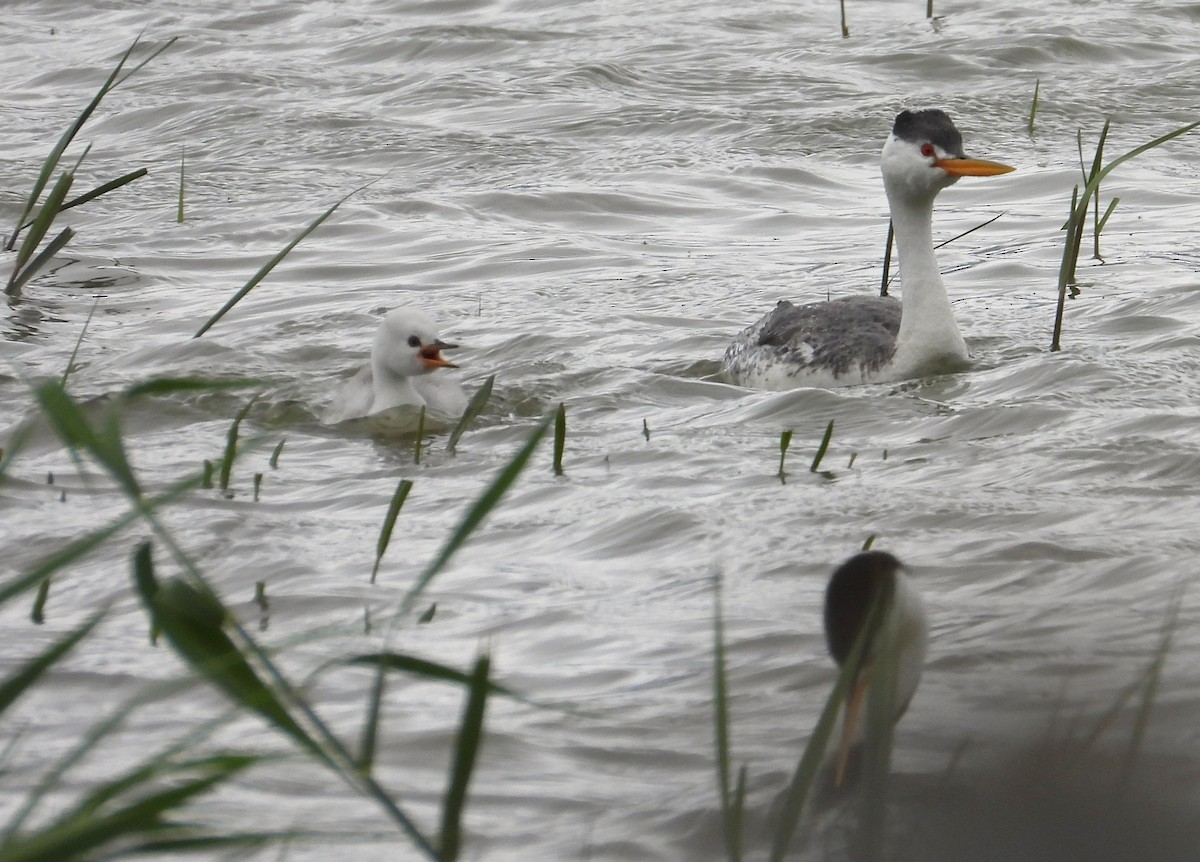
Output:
x=592 y=198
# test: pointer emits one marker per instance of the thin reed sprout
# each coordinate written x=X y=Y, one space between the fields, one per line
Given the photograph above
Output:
x=38 y=225
x=389 y=522
x=732 y=797
x=822 y=448
x=1033 y=106
x=785 y=441
x=474 y=408
x=560 y=437
x=805 y=775
x=1077 y=217
x=266 y=268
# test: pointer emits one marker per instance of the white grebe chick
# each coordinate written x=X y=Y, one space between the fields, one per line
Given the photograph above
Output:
x=405 y=371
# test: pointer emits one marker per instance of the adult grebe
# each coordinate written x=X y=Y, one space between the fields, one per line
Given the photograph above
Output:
x=854 y=586
x=875 y=339
x=405 y=352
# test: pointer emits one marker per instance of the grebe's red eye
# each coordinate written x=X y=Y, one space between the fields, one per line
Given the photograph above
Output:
x=927 y=149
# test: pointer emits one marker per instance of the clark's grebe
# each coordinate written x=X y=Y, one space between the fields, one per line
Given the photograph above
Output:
x=875 y=339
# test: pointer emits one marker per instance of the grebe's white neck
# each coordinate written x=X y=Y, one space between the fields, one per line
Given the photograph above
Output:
x=928 y=338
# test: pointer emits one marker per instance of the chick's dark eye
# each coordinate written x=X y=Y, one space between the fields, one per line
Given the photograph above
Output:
x=927 y=149
x=413 y=341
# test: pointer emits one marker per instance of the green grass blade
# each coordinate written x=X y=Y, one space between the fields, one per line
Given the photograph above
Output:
x=82 y=547
x=478 y=511
x=98 y=191
x=52 y=160
x=431 y=670
x=82 y=835
x=1112 y=205
x=160 y=386
x=78 y=342
x=1150 y=688
x=785 y=441
x=104 y=444
x=31 y=671
x=466 y=751
x=152 y=55
x=266 y=268
x=474 y=408
x=41 y=225
x=1033 y=108
x=193 y=620
x=389 y=522
x=273 y=463
x=887 y=259
x=179 y=208
x=880 y=719
x=419 y=437
x=370 y=734
x=969 y=231
x=231 y=447
x=823 y=448
x=731 y=811
x=560 y=437
x=809 y=766
x=20 y=278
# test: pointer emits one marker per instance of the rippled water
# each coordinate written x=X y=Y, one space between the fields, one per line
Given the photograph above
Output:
x=592 y=199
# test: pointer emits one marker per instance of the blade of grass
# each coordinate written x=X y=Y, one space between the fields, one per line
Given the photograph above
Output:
x=1101 y=221
x=69 y=422
x=882 y=709
x=434 y=671
x=1150 y=688
x=474 y=408
x=19 y=279
x=560 y=437
x=1033 y=108
x=1075 y=222
x=389 y=521
x=969 y=231
x=785 y=440
x=231 y=447
x=179 y=208
x=273 y=463
x=193 y=621
x=370 y=734
x=266 y=268
x=80 y=834
x=88 y=543
x=78 y=341
x=731 y=810
x=31 y=671
x=52 y=160
x=466 y=751
x=887 y=259
x=478 y=511
x=419 y=437
x=823 y=448
x=40 y=227
x=809 y=766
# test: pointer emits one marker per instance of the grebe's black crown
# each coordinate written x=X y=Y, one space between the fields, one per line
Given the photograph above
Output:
x=932 y=125
x=849 y=595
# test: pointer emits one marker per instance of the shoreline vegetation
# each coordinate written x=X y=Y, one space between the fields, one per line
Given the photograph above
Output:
x=146 y=808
